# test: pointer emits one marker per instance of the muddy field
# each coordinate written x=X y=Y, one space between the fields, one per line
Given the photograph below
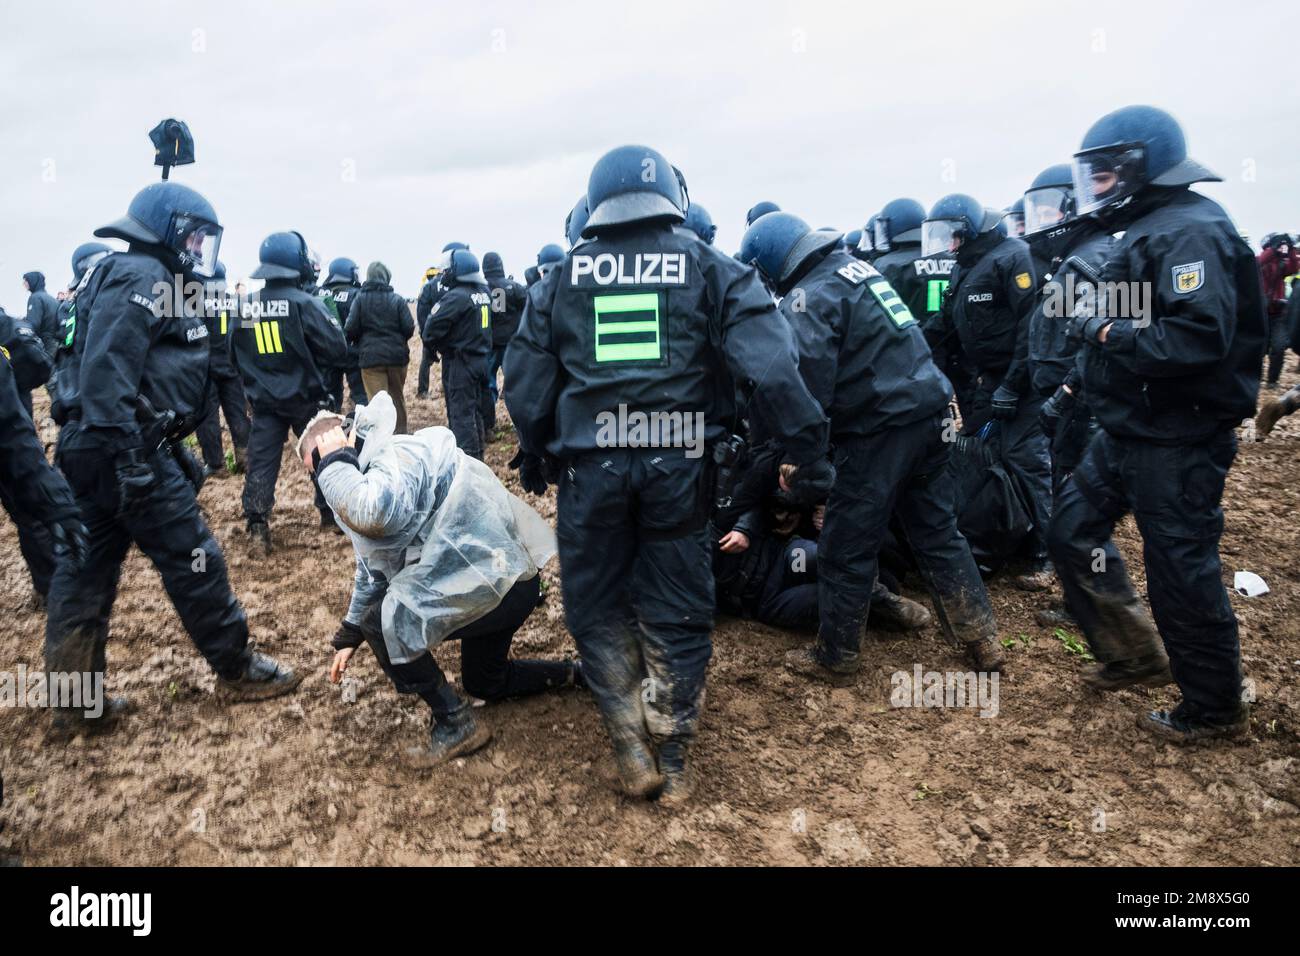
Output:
x=790 y=773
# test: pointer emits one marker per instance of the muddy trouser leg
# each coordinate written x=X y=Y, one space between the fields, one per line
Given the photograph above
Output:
x=169 y=530
x=1176 y=494
x=422 y=676
x=1098 y=592
x=869 y=474
x=208 y=432
x=597 y=546
x=929 y=523
x=230 y=393
x=34 y=542
x=426 y=362
x=486 y=670
x=1025 y=451
x=81 y=600
x=266 y=440
x=396 y=378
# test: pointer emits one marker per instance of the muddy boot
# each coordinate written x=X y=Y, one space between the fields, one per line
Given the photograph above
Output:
x=240 y=454
x=256 y=677
x=985 y=654
x=259 y=538
x=1124 y=631
x=637 y=772
x=327 y=522
x=1039 y=576
x=803 y=661
x=1151 y=671
x=893 y=612
x=66 y=723
x=1055 y=617
x=454 y=734
x=1178 y=729
x=1274 y=411
x=678 y=773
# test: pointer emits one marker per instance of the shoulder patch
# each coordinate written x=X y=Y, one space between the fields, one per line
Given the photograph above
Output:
x=1023 y=281
x=1189 y=277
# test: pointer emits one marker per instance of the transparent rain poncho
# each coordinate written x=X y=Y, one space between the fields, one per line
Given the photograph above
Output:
x=435 y=532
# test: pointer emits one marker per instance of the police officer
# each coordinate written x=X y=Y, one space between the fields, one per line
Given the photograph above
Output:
x=460 y=330
x=430 y=293
x=919 y=280
x=340 y=288
x=760 y=209
x=548 y=257
x=865 y=359
x=133 y=387
x=1168 y=382
x=1075 y=249
x=28 y=367
x=225 y=389
x=699 y=222
x=986 y=316
x=508 y=298
x=576 y=221
x=283 y=348
x=643 y=320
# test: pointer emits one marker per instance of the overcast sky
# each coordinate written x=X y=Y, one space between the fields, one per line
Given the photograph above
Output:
x=384 y=130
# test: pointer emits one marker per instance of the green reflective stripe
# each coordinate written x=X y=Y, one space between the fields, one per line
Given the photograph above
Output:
x=891 y=303
x=71 y=324
x=627 y=327
x=935 y=289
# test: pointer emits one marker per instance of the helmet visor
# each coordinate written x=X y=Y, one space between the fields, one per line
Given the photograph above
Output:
x=940 y=237
x=881 y=238
x=1106 y=175
x=197 y=242
x=1014 y=223
x=1047 y=207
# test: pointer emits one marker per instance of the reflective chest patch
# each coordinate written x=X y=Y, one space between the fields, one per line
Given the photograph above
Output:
x=641 y=268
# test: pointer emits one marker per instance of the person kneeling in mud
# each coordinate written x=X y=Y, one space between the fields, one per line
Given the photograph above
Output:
x=444 y=552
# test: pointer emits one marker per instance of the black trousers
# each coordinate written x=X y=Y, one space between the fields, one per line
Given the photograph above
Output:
x=487 y=672
x=464 y=390
x=169 y=529
x=636 y=568
x=225 y=396
x=34 y=542
x=1279 y=337
x=1174 y=493
x=904 y=472
x=426 y=363
x=266 y=440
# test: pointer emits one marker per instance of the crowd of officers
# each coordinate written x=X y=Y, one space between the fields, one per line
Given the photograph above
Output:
x=832 y=374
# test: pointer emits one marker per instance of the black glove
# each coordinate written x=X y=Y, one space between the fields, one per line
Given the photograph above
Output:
x=348 y=635
x=1054 y=409
x=194 y=473
x=135 y=478
x=1005 y=400
x=532 y=472
x=71 y=542
x=1092 y=327
x=812 y=482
